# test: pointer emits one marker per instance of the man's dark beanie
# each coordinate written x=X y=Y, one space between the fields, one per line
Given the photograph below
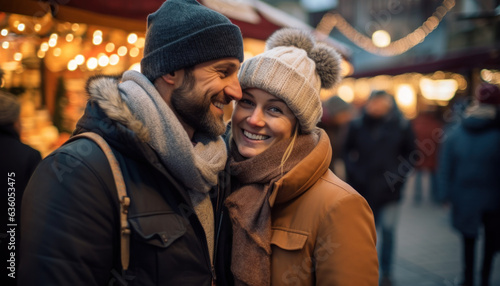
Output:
x=184 y=33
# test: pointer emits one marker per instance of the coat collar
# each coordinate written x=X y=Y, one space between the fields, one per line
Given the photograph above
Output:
x=305 y=174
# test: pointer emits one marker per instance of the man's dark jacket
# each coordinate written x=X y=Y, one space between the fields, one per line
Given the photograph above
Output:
x=70 y=213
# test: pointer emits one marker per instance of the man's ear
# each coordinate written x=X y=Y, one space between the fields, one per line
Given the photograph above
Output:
x=173 y=78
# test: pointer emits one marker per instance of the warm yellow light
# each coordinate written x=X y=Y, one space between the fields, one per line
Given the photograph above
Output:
x=134 y=52
x=135 y=67
x=97 y=40
x=346 y=93
x=441 y=89
x=92 y=63
x=40 y=54
x=72 y=65
x=122 y=51
x=103 y=60
x=18 y=57
x=21 y=27
x=110 y=47
x=44 y=47
x=114 y=59
x=37 y=27
x=54 y=36
x=346 y=68
x=52 y=42
x=75 y=27
x=69 y=37
x=57 y=52
x=140 y=42
x=405 y=95
x=132 y=38
x=486 y=75
x=4 y=32
x=381 y=38
x=97 y=33
x=79 y=59
x=5 y=45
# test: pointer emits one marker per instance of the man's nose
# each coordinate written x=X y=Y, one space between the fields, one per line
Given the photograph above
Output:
x=233 y=89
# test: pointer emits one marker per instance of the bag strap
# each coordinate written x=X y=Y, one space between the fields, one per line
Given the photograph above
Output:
x=121 y=190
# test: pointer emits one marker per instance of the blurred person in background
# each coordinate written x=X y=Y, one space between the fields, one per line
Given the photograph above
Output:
x=17 y=163
x=376 y=155
x=335 y=121
x=427 y=126
x=469 y=176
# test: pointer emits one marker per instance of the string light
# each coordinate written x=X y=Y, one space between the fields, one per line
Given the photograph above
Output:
x=18 y=57
x=330 y=21
x=122 y=51
x=21 y=27
x=110 y=47
x=114 y=59
x=132 y=38
x=134 y=52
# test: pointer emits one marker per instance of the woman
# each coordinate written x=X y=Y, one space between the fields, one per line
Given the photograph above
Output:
x=294 y=222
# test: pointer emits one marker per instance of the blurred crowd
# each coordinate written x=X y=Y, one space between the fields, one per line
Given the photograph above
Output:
x=455 y=152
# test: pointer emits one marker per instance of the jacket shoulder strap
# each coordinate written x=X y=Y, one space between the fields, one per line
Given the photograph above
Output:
x=121 y=190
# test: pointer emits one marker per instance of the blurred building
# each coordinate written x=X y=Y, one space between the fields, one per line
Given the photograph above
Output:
x=423 y=51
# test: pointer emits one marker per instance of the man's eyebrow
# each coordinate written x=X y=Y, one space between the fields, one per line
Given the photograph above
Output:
x=227 y=65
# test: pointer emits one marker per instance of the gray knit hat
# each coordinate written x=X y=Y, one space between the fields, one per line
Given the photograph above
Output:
x=184 y=33
x=9 y=108
x=294 y=68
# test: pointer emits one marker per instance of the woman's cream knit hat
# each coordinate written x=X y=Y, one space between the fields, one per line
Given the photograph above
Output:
x=294 y=68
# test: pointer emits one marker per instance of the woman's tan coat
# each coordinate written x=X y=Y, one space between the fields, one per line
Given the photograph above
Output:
x=323 y=231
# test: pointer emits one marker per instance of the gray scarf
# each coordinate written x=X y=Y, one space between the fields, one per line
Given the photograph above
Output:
x=197 y=167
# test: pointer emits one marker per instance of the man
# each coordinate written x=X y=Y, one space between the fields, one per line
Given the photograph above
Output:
x=377 y=158
x=17 y=163
x=164 y=126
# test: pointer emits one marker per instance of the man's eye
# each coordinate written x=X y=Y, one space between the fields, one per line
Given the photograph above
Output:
x=224 y=73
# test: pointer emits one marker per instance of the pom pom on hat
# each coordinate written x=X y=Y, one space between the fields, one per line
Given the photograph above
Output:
x=294 y=68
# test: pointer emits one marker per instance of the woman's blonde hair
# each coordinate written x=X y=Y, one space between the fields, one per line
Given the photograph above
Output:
x=289 y=149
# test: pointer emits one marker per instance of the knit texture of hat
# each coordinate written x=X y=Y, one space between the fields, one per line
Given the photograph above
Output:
x=294 y=68
x=488 y=94
x=184 y=33
x=9 y=108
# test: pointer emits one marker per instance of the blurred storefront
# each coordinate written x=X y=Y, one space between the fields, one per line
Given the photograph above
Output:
x=50 y=48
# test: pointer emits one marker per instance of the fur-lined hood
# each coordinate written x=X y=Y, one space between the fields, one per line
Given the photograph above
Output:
x=105 y=92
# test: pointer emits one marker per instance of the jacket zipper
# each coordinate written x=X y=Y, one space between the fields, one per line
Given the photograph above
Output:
x=216 y=238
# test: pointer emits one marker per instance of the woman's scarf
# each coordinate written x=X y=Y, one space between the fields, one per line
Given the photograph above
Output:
x=251 y=182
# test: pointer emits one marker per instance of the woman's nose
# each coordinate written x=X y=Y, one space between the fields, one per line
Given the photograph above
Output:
x=256 y=118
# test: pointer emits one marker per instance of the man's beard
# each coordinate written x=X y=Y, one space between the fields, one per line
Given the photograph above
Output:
x=194 y=109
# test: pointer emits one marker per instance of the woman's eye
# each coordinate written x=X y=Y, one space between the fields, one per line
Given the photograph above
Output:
x=275 y=110
x=245 y=102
